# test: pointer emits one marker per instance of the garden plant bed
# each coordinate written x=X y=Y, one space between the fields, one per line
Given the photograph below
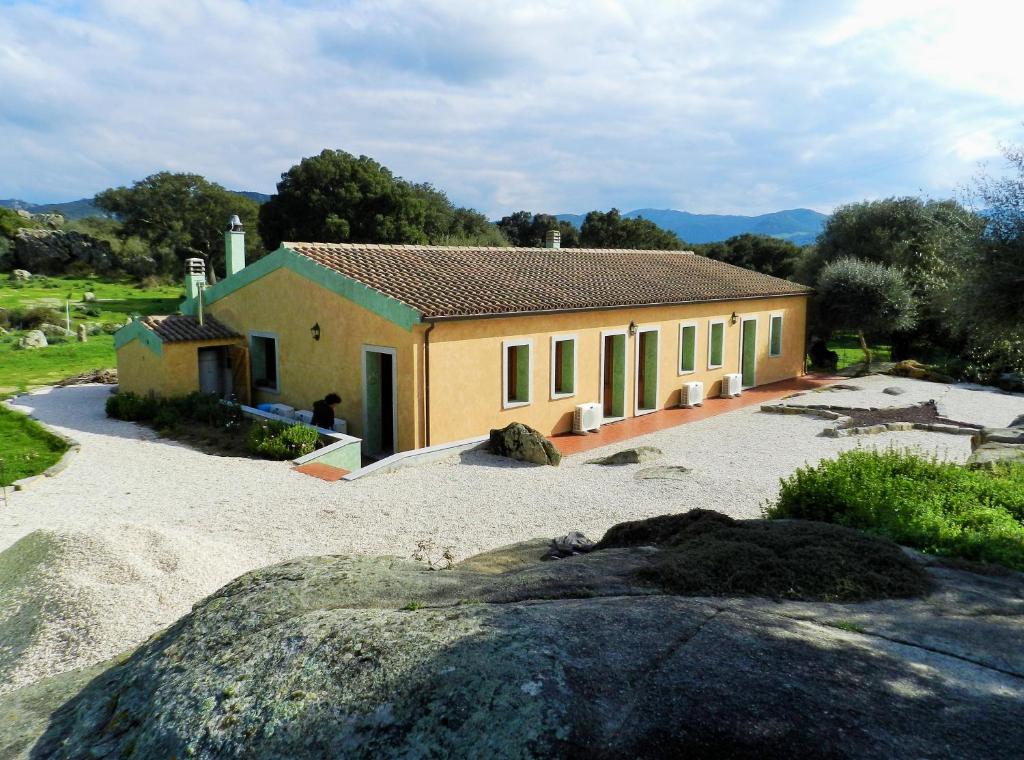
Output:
x=925 y=414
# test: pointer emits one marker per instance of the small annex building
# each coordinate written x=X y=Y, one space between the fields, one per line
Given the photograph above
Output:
x=434 y=344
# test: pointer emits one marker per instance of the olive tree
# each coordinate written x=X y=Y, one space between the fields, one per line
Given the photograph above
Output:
x=865 y=297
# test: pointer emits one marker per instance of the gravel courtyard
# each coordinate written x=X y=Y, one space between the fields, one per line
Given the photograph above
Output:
x=138 y=529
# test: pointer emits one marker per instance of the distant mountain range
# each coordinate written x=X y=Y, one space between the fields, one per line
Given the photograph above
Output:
x=799 y=225
x=84 y=207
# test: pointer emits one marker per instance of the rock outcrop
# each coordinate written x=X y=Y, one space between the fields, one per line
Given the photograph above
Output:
x=993 y=446
x=523 y=443
x=33 y=339
x=54 y=252
x=506 y=656
x=917 y=371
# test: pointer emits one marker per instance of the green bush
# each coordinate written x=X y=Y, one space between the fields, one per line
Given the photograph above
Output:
x=937 y=507
x=166 y=413
x=277 y=440
x=30 y=319
x=132 y=407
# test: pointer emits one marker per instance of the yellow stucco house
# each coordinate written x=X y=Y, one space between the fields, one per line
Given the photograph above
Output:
x=430 y=344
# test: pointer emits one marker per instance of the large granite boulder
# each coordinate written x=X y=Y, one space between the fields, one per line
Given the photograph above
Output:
x=505 y=656
x=33 y=339
x=22 y=275
x=1011 y=435
x=987 y=456
x=54 y=331
x=521 y=442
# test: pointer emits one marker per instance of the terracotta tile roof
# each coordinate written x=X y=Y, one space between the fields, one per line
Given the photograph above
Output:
x=443 y=281
x=176 y=328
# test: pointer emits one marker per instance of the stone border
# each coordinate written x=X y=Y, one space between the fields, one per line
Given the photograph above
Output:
x=829 y=412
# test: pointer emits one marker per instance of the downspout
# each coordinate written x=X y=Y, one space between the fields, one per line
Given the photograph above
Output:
x=426 y=384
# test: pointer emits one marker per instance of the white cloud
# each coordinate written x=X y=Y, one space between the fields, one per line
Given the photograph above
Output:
x=553 y=106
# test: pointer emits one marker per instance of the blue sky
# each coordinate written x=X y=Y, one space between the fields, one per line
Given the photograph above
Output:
x=709 y=106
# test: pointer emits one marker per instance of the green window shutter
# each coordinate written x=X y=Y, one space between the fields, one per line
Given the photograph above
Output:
x=522 y=373
x=650 y=360
x=717 y=341
x=688 y=351
x=776 y=336
x=619 y=376
x=568 y=350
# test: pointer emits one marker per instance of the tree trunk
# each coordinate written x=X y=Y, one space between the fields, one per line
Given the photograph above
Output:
x=866 y=350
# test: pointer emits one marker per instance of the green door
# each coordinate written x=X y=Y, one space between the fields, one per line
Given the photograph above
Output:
x=372 y=444
x=647 y=370
x=614 y=379
x=748 y=358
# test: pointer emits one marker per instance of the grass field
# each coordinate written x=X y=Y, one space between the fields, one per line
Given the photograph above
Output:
x=848 y=347
x=116 y=302
x=26 y=448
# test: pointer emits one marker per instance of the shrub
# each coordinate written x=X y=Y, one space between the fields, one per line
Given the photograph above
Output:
x=30 y=319
x=937 y=507
x=277 y=440
x=132 y=407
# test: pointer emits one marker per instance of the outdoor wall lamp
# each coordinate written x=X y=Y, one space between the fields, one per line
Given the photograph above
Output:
x=315 y=331
x=632 y=328
x=733 y=319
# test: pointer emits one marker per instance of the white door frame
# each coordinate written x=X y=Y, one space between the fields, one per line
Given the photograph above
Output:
x=625 y=373
x=743 y=324
x=394 y=391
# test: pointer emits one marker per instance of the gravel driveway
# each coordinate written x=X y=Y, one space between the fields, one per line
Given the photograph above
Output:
x=137 y=529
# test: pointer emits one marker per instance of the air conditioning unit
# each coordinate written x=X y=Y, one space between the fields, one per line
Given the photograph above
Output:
x=340 y=426
x=304 y=415
x=587 y=417
x=732 y=385
x=691 y=395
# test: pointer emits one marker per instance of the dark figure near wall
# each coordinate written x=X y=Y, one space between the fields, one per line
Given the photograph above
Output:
x=821 y=356
x=323 y=411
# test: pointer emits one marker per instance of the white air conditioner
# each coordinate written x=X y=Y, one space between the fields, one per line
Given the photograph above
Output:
x=340 y=426
x=282 y=410
x=304 y=415
x=586 y=417
x=732 y=385
x=691 y=395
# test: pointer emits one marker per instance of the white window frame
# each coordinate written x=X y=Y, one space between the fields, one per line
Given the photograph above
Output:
x=625 y=373
x=637 y=411
x=711 y=323
x=575 y=365
x=782 y=330
x=505 y=346
x=696 y=340
x=277 y=359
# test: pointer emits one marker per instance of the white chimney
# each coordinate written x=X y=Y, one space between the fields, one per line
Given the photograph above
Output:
x=234 y=247
x=553 y=239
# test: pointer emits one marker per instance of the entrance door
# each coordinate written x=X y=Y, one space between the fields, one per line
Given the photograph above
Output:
x=379 y=402
x=613 y=375
x=646 y=371
x=211 y=371
x=748 y=352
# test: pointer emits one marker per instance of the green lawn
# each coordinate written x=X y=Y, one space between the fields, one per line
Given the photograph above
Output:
x=847 y=345
x=26 y=448
x=116 y=302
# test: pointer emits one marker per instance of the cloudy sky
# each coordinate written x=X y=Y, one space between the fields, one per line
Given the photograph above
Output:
x=708 y=106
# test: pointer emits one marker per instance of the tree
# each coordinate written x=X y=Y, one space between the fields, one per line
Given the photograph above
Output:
x=769 y=255
x=612 y=230
x=529 y=230
x=181 y=216
x=335 y=197
x=991 y=304
x=866 y=297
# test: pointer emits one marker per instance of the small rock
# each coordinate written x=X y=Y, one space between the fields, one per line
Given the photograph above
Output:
x=33 y=339
x=21 y=274
x=637 y=455
x=894 y=390
x=667 y=472
x=89 y=297
x=568 y=545
x=83 y=333
x=846 y=387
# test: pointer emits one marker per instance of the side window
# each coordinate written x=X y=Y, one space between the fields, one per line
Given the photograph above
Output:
x=775 y=336
x=563 y=367
x=716 y=344
x=516 y=373
x=263 y=353
x=687 y=348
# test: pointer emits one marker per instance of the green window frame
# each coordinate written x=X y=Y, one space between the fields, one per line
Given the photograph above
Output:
x=716 y=343
x=515 y=371
x=265 y=361
x=563 y=366
x=687 y=348
x=775 y=335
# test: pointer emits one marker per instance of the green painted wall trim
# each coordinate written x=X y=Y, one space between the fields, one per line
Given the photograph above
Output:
x=284 y=258
x=135 y=330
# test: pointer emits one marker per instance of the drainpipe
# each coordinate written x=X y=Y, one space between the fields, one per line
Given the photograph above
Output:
x=426 y=384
